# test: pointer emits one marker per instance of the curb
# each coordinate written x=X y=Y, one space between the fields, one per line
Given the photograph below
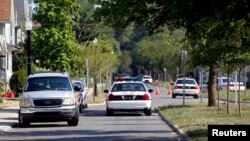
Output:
x=6 y=128
x=175 y=128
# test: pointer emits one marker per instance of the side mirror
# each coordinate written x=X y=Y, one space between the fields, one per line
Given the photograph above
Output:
x=77 y=88
x=106 y=91
x=150 y=90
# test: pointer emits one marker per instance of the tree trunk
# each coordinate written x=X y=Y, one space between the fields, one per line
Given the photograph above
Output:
x=211 y=87
x=228 y=91
x=218 y=91
x=239 y=93
x=95 y=88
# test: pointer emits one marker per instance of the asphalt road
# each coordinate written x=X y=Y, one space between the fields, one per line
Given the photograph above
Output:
x=94 y=125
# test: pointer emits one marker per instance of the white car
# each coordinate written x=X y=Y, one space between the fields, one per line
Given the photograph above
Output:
x=147 y=79
x=84 y=93
x=128 y=96
x=191 y=88
x=232 y=85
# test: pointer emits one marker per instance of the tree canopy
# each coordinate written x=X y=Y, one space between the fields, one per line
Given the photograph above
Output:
x=54 y=42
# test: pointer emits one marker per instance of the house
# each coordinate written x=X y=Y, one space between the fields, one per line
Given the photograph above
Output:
x=12 y=16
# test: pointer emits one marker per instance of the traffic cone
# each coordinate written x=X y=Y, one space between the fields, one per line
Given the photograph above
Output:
x=169 y=92
x=157 y=92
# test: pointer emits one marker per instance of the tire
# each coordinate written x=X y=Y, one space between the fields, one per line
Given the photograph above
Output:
x=109 y=112
x=148 y=112
x=173 y=96
x=74 y=120
x=86 y=105
x=21 y=120
x=81 y=107
x=196 y=96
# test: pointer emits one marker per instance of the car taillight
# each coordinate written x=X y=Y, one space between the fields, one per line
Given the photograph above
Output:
x=230 y=85
x=111 y=97
x=176 y=87
x=146 y=96
x=196 y=87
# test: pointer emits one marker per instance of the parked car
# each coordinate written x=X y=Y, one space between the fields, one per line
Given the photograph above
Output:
x=232 y=85
x=128 y=96
x=84 y=93
x=147 y=79
x=49 y=97
x=191 y=88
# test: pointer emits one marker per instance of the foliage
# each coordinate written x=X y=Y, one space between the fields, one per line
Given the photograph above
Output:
x=213 y=27
x=17 y=80
x=126 y=62
x=160 y=50
x=54 y=42
x=86 y=24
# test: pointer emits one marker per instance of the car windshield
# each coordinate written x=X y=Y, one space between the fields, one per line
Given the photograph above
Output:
x=225 y=80
x=47 y=83
x=186 y=82
x=128 y=87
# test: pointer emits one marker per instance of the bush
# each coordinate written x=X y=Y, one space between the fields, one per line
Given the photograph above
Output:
x=17 y=80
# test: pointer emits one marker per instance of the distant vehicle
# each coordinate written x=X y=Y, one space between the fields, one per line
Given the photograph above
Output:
x=232 y=85
x=130 y=79
x=124 y=75
x=147 y=79
x=84 y=93
x=191 y=88
x=49 y=97
x=128 y=96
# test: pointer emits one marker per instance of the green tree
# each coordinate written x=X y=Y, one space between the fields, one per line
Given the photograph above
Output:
x=209 y=14
x=100 y=54
x=54 y=42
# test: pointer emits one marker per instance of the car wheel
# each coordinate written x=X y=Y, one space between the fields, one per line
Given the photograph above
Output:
x=196 y=96
x=148 y=112
x=74 y=120
x=173 y=96
x=86 y=105
x=80 y=108
x=22 y=122
x=109 y=112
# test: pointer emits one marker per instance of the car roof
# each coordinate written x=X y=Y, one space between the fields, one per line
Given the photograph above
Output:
x=186 y=78
x=46 y=74
x=122 y=82
x=146 y=76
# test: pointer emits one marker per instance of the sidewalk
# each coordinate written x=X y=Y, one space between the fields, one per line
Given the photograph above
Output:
x=8 y=118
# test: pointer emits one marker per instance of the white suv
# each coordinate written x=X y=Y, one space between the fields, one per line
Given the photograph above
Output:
x=50 y=97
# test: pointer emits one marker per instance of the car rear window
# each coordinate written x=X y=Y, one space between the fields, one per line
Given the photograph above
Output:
x=47 y=83
x=128 y=87
x=186 y=82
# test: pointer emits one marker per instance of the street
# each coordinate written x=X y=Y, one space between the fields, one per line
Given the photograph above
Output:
x=94 y=125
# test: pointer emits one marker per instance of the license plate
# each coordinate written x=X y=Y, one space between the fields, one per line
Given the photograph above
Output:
x=128 y=97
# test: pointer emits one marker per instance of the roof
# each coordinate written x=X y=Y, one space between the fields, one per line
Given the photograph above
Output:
x=186 y=78
x=46 y=74
x=5 y=10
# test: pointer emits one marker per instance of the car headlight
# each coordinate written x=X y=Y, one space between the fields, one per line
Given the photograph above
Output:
x=69 y=101
x=26 y=103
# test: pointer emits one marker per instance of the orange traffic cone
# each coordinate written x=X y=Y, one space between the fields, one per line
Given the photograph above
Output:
x=169 y=92
x=157 y=92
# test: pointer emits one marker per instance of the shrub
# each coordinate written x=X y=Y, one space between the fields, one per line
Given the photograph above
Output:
x=17 y=80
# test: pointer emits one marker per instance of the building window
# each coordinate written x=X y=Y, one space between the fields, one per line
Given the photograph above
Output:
x=29 y=1
x=2 y=62
x=1 y=29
